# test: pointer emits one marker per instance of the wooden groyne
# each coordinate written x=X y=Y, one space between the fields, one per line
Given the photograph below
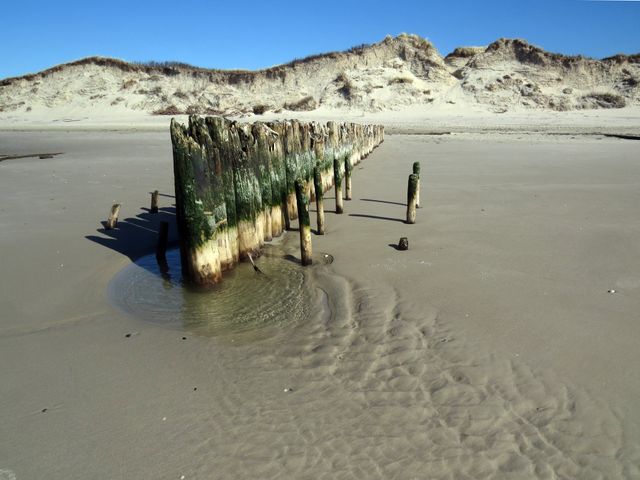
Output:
x=235 y=183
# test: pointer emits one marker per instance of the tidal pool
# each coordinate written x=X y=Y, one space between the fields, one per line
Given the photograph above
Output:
x=248 y=304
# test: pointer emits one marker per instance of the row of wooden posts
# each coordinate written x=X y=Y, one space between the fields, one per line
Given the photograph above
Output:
x=302 y=194
x=413 y=200
x=238 y=185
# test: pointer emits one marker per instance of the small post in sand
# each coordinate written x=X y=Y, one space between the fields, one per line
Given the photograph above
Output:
x=412 y=190
x=285 y=212
x=317 y=186
x=112 y=222
x=337 y=183
x=416 y=171
x=304 y=223
x=154 y=202
x=347 y=178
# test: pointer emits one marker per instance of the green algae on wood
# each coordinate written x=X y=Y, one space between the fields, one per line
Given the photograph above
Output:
x=416 y=171
x=248 y=202
x=259 y=152
x=210 y=186
x=227 y=144
x=319 y=197
x=276 y=168
x=347 y=177
x=198 y=248
x=193 y=225
x=337 y=184
x=226 y=140
x=214 y=192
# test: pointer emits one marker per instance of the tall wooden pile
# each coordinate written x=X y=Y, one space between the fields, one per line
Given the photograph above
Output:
x=235 y=182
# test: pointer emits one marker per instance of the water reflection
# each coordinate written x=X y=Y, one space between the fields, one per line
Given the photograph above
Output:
x=245 y=304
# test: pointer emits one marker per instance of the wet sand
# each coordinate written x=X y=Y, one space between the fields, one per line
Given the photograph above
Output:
x=491 y=349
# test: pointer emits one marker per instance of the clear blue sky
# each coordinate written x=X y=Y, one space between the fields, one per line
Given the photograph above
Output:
x=254 y=34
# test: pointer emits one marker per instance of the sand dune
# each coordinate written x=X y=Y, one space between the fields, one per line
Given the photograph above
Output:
x=393 y=75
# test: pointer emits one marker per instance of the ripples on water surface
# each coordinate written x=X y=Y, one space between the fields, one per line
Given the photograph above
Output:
x=245 y=303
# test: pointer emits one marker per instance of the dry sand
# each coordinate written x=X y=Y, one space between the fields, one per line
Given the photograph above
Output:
x=490 y=349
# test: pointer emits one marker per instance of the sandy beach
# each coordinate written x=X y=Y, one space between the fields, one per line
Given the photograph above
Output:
x=502 y=344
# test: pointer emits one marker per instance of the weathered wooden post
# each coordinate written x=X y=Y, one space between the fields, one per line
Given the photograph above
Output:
x=347 y=177
x=285 y=212
x=278 y=177
x=307 y=156
x=248 y=198
x=210 y=187
x=279 y=169
x=226 y=143
x=411 y=198
x=292 y=164
x=112 y=221
x=163 y=239
x=337 y=183
x=331 y=146
x=258 y=149
x=416 y=171
x=161 y=250
x=317 y=187
x=196 y=222
x=304 y=223
x=247 y=204
x=319 y=139
x=154 y=202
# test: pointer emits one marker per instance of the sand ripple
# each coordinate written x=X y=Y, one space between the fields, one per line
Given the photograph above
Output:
x=379 y=386
x=383 y=389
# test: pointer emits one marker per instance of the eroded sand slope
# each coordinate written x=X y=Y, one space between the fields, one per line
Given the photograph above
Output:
x=396 y=73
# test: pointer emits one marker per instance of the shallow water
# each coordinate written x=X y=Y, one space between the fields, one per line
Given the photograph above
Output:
x=247 y=304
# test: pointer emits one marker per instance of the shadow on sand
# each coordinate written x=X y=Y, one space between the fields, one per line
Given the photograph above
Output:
x=137 y=236
x=376 y=217
x=383 y=201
